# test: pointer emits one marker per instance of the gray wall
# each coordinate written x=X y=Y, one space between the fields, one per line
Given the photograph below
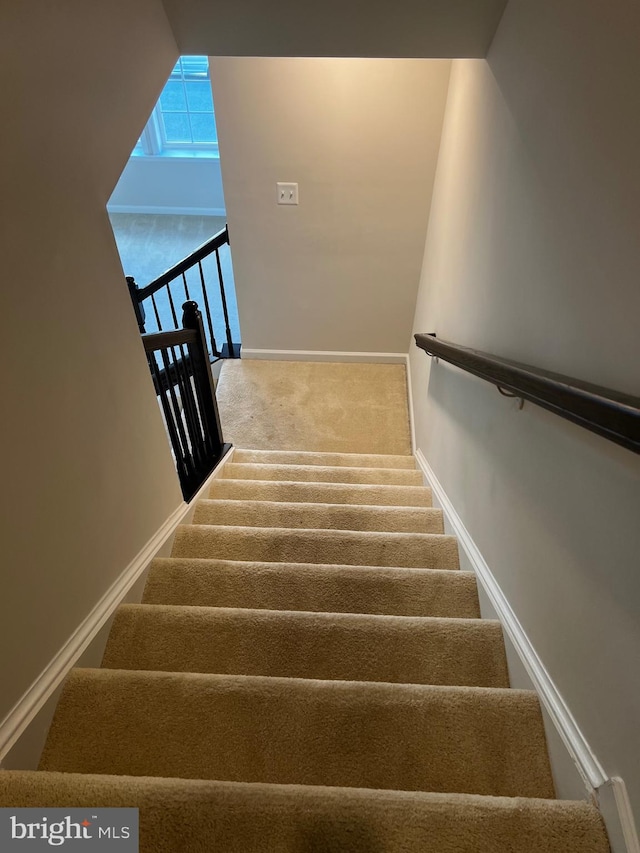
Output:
x=338 y=272
x=408 y=28
x=87 y=476
x=533 y=254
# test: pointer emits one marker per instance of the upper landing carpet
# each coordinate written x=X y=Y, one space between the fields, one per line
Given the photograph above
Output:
x=326 y=407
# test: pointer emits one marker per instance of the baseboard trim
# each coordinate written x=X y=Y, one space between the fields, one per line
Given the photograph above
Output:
x=588 y=765
x=160 y=209
x=324 y=355
x=412 y=424
x=35 y=697
x=615 y=807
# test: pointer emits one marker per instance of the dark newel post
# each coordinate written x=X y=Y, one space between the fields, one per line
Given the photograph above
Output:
x=137 y=305
x=205 y=389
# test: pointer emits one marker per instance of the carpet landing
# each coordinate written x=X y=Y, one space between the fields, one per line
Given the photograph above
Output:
x=308 y=672
x=310 y=405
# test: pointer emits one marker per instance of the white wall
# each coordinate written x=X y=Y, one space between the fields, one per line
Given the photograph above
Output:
x=340 y=271
x=87 y=476
x=533 y=254
x=409 y=28
x=179 y=185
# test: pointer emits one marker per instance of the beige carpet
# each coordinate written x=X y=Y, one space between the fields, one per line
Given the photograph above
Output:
x=308 y=673
x=191 y=816
x=289 y=405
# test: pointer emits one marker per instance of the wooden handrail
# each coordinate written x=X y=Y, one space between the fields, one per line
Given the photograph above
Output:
x=209 y=246
x=608 y=413
x=172 y=338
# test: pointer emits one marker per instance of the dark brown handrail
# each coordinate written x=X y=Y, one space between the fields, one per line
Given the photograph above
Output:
x=209 y=246
x=161 y=340
x=608 y=413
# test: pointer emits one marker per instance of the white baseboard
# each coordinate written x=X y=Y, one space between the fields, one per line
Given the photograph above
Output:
x=609 y=793
x=412 y=423
x=14 y=725
x=324 y=355
x=615 y=807
x=158 y=209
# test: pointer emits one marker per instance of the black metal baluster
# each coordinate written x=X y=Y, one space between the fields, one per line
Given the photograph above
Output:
x=204 y=386
x=155 y=308
x=180 y=366
x=197 y=415
x=208 y=443
x=224 y=308
x=175 y=379
x=189 y=409
x=181 y=271
x=183 y=472
x=173 y=310
x=176 y=408
x=214 y=347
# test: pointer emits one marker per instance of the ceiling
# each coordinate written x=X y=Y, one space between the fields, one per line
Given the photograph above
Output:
x=406 y=28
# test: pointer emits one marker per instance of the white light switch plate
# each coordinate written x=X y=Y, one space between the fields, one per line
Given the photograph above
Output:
x=287 y=193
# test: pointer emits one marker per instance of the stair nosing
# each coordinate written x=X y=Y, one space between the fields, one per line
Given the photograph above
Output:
x=322 y=484
x=309 y=684
x=268 y=565
x=326 y=615
x=251 y=529
x=324 y=504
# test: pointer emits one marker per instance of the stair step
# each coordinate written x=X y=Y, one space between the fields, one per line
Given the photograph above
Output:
x=322 y=474
x=330 y=493
x=302 y=457
x=283 y=545
x=308 y=671
x=200 y=816
x=338 y=646
x=319 y=515
x=298 y=731
x=319 y=588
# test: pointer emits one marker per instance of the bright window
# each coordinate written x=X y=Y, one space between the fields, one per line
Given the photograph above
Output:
x=183 y=118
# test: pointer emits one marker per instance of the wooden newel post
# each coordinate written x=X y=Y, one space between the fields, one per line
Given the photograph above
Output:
x=204 y=385
x=137 y=305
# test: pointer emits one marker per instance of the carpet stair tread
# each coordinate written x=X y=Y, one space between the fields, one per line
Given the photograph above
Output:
x=300 y=731
x=322 y=473
x=309 y=671
x=179 y=815
x=302 y=457
x=312 y=587
x=327 y=646
x=332 y=493
x=319 y=515
x=281 y=545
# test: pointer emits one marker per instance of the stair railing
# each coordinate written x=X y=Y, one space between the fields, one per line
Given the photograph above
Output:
x=181 y=372
x=176 y=276
x=608 y=413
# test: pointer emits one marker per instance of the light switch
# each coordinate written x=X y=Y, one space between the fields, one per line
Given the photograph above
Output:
x=287 y=193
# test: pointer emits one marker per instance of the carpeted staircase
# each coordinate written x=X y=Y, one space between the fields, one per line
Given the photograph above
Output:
x=308 y=673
